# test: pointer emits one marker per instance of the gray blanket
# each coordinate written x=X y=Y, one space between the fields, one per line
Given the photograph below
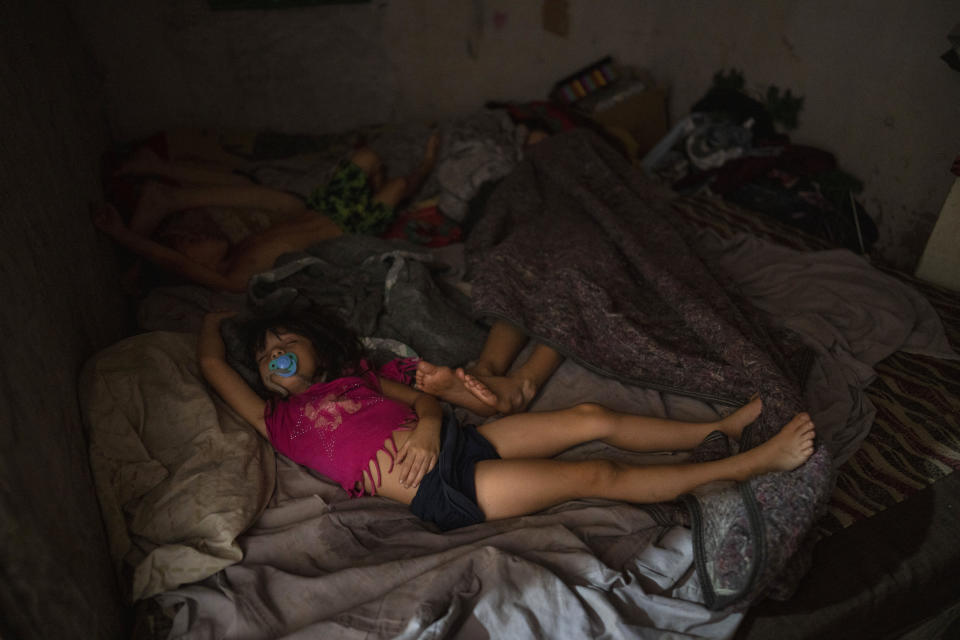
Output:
x=577 y=248
x=319 y=565
x=381 y=288
x=850 y=314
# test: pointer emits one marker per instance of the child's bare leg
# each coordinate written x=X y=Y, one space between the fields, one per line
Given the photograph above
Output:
x=158 y=201
x=514 y=487
x=733 y=424
x=145 y=162
x=543 y=434
x=504 y=341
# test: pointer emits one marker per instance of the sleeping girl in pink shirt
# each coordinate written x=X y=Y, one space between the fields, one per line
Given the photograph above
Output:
x=375 y=435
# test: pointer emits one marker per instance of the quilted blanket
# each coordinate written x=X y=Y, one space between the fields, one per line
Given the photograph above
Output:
x=580 y=250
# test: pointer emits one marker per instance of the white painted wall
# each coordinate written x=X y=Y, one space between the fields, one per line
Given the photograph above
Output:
x=877 y=94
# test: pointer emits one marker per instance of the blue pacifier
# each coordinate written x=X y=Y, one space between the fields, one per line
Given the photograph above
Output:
x=284 y=365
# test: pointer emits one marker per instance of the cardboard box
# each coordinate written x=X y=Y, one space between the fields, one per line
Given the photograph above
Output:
x=642 y=115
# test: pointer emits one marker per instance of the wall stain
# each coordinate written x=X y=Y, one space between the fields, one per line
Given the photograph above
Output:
x=791 y=48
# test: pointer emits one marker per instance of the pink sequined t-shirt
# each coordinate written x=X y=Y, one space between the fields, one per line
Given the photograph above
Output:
x=336 y=428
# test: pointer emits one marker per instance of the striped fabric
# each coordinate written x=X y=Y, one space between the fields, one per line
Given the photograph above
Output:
x=915 y=438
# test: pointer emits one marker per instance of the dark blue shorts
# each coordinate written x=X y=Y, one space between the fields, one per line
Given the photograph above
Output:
x=448 y=495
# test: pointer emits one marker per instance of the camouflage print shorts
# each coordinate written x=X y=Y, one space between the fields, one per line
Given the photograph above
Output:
x=348 y=200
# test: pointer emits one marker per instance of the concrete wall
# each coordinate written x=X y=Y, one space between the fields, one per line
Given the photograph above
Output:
x=877 y=94
x=59 y=306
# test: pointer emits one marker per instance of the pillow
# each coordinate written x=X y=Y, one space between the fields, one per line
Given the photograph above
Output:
x=178 y=474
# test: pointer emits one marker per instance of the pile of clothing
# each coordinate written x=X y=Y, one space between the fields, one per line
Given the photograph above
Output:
x=728 y=145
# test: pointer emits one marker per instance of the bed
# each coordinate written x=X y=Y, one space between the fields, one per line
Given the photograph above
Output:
x=885 y=562
x=216 y=536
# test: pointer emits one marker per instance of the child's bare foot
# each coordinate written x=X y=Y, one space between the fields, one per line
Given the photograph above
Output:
x=106 y=218
x=481 y=391
x=480 y=368
x=790 y=448
x=447 y=385
x=734 y=424
x=507 y=394
x=151 y=209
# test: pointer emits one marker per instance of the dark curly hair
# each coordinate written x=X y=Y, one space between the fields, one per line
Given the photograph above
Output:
x=338 y=349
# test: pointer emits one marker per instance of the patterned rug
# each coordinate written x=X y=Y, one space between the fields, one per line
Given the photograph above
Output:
x=915 y=438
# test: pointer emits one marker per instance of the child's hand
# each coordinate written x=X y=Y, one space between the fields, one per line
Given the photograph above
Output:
x=107 y=219
x=417 y=457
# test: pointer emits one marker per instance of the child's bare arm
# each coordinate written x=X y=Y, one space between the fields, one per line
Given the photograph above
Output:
x=211 y=353
x=418 y=454
x=108 y=220
x=177 y=263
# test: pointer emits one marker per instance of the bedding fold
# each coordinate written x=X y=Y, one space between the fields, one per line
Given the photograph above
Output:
x=319 y=565
x=581 y=251
x=849 y=313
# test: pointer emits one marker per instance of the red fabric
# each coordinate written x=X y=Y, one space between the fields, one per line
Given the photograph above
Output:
x=425 y=226
x=400 y=370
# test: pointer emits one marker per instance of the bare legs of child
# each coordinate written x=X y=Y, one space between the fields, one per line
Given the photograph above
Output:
x=487 y=386
x=527 y=480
